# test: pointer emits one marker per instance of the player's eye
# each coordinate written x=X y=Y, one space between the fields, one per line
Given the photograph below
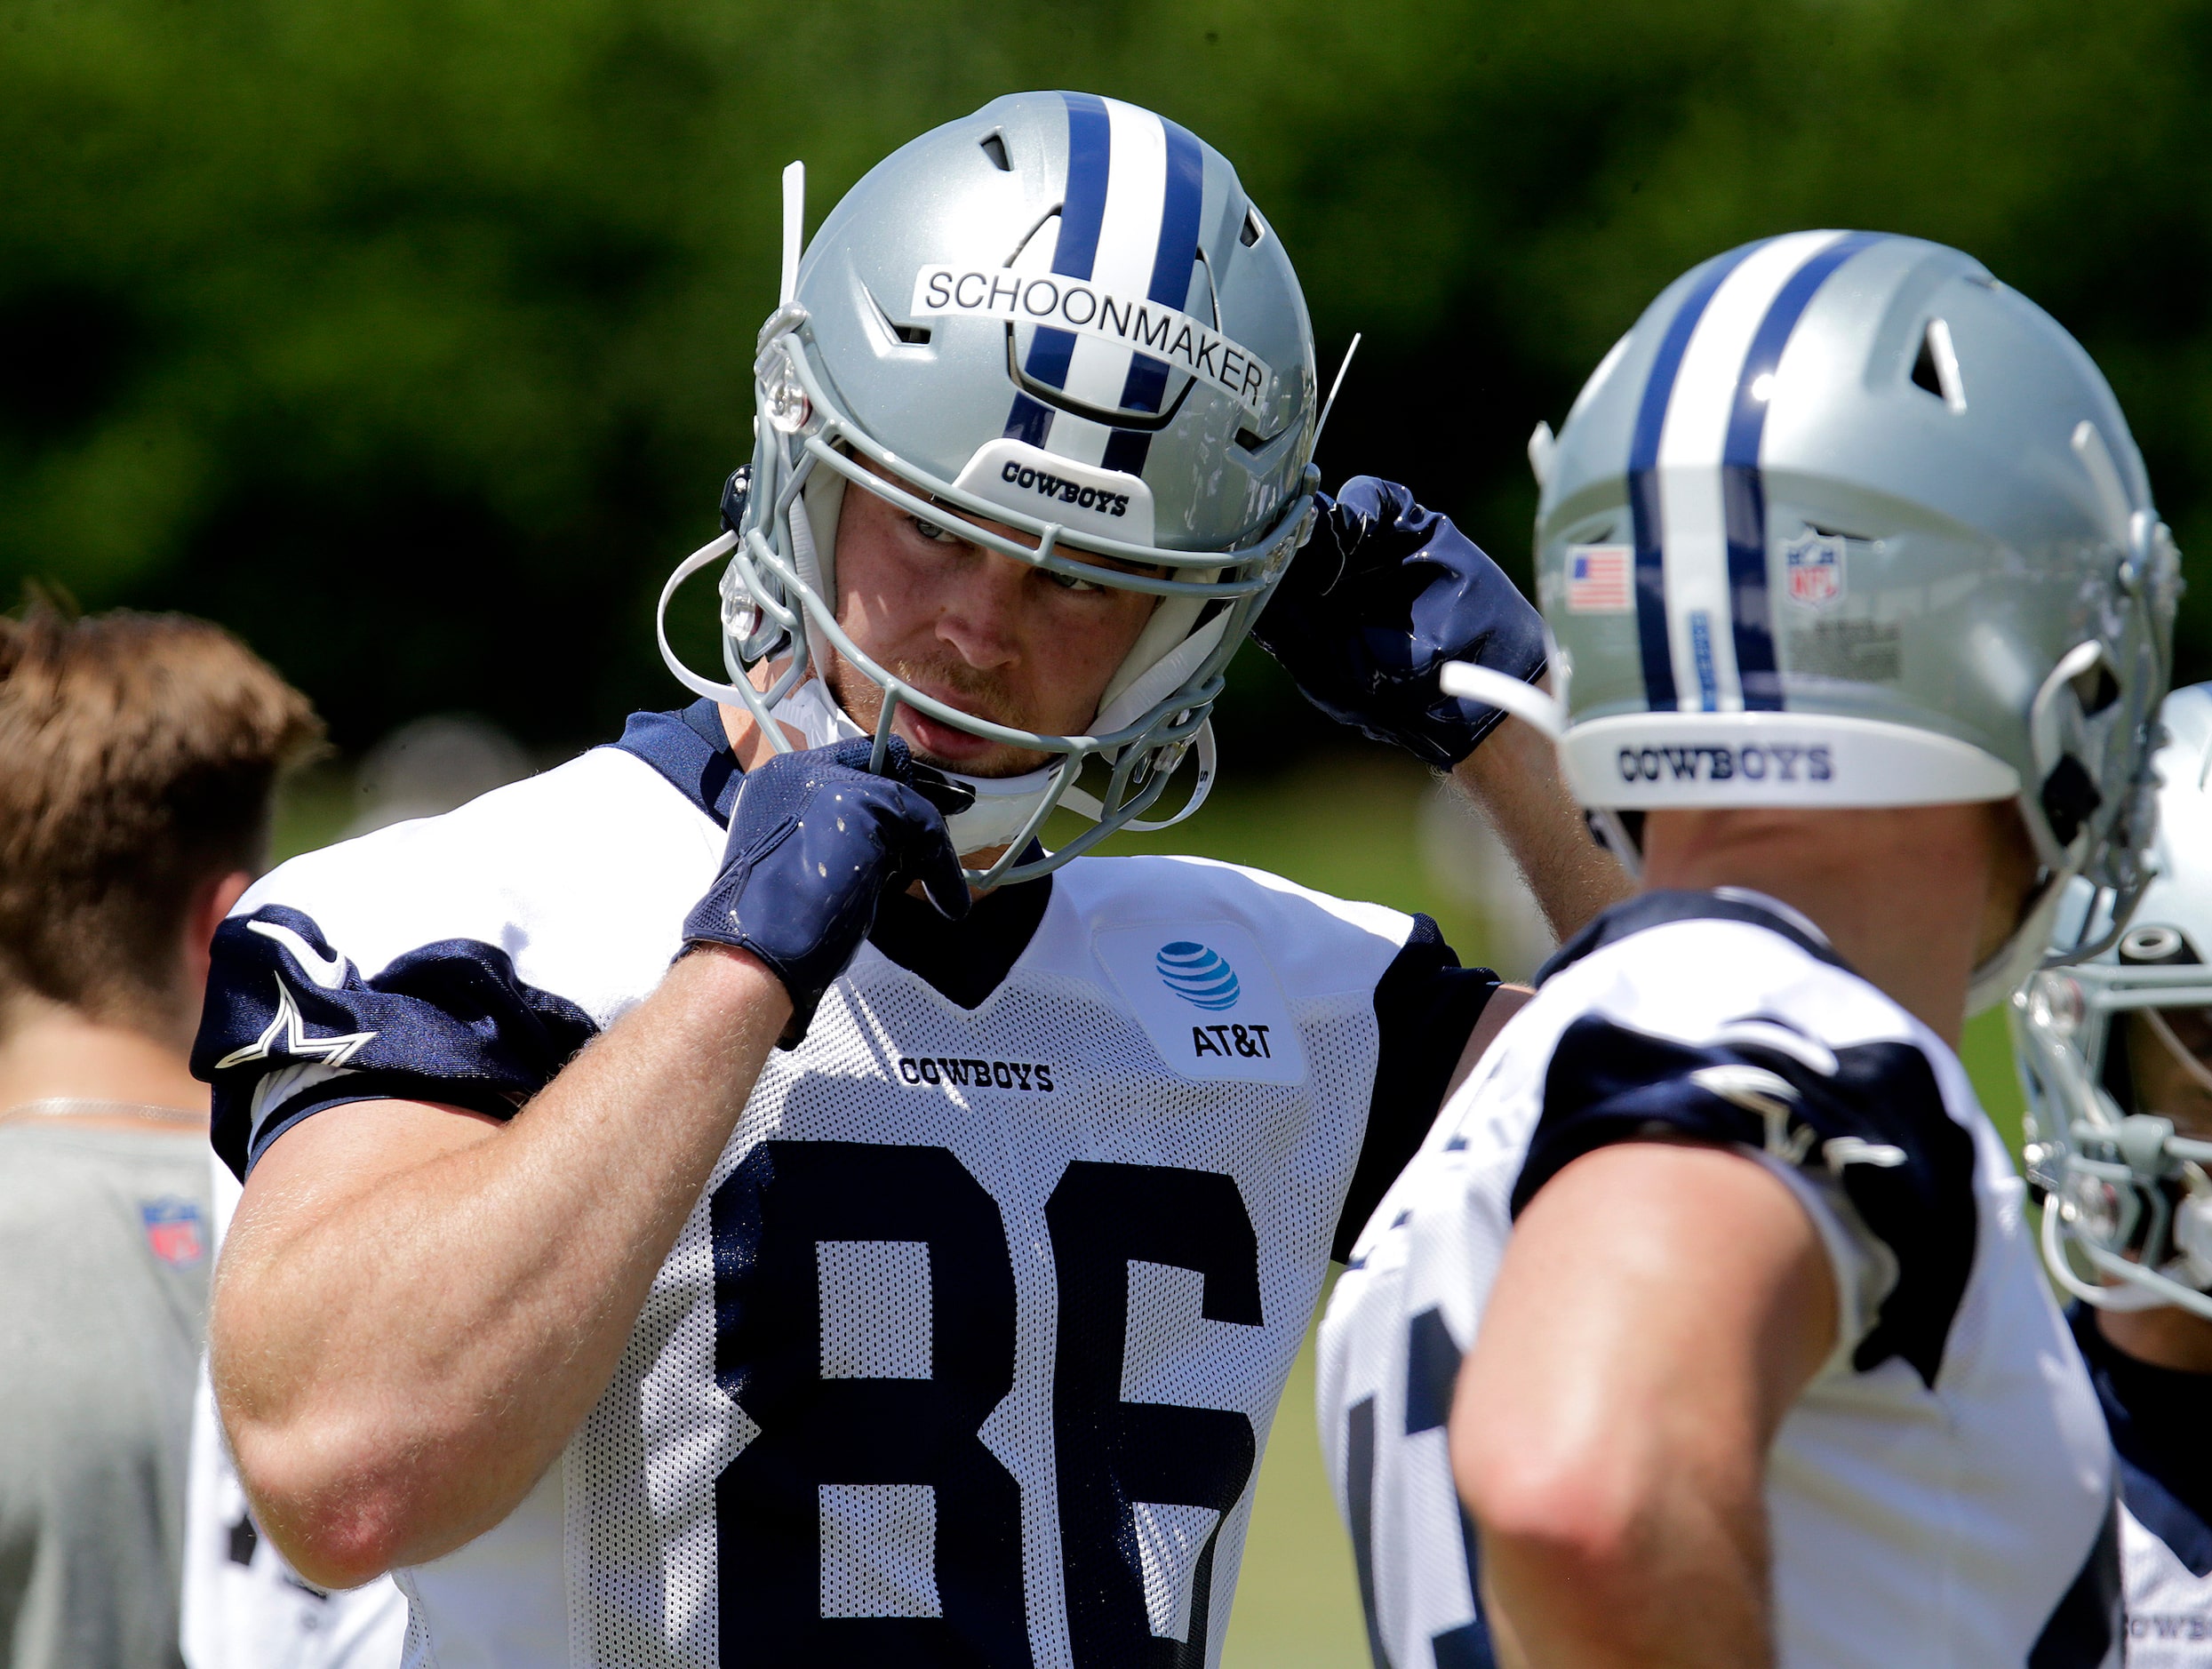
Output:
x=935 y=534
x=1069 y=582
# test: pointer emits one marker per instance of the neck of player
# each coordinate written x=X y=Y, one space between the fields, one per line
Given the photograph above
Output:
x=1913 y=898
x=49 y=1051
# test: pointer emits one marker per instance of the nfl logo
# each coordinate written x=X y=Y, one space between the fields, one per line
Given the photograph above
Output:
x=1815 y=563
x=172 y=1230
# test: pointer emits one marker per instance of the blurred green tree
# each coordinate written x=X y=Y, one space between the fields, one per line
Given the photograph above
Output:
x=412 y=339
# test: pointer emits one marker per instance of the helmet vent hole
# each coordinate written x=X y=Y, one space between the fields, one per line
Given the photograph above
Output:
x=1252 y=231
x=1250 y=440
x=912 y=335
x=2096 y=690
x=1936 y=367
x=995 y=147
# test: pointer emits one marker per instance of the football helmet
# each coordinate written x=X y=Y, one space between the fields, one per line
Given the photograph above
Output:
x=1062 y=315
x=2128 y=1215
x=1844 y=522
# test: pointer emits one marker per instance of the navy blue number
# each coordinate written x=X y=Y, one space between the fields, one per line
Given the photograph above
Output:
x=1113 y=1453
x=767 y=1218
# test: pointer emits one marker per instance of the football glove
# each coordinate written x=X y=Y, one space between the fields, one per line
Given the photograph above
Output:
x=814 y=840
x=1381 y=597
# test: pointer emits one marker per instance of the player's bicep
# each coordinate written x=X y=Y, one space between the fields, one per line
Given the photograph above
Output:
x=1505 y=1002
x=352 y=1149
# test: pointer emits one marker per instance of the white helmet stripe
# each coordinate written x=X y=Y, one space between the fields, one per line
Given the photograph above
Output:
x=1692 y=507
x=1132 y=212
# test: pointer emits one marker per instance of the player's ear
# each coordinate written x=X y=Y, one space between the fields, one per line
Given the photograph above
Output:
x=212 y=901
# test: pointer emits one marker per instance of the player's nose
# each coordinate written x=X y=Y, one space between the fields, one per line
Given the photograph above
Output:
x=981 y=616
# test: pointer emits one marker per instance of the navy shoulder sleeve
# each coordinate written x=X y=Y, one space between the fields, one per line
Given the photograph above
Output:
x=1870 y=1117
x=1426 y=1005
x=291 y=1027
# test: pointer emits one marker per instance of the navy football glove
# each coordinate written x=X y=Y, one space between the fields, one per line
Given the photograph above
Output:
x=816 y=839
x=1381 y=597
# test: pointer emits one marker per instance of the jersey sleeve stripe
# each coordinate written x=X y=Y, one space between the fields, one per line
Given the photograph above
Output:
x=1874 y=1121
x=449 y=1021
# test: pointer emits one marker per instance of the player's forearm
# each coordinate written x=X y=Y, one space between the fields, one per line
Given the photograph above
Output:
x=1514 y=779
x=398 y=1363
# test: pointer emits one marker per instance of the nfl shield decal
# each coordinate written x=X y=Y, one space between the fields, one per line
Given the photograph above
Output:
x=1814 y=562
x=172 y=1230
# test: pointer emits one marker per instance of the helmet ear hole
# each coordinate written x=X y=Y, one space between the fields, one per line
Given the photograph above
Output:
x=2069 y=800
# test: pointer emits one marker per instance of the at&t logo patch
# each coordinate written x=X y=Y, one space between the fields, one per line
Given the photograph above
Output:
x=1197 y=974
x=1207 y=998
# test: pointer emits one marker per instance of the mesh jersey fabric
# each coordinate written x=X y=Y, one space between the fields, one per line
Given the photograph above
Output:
x=969 y=1348
x=2156 y=1416
x=1941 y=1492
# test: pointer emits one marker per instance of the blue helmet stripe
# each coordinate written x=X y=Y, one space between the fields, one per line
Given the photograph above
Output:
x=1082 y=211
x=1643 y=486
x=1090 y=166
x=1742 y=489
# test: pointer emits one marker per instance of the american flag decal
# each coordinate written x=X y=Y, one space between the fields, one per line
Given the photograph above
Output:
x=1598 y=579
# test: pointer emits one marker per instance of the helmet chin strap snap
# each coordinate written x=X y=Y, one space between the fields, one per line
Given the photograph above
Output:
x=1000 y=807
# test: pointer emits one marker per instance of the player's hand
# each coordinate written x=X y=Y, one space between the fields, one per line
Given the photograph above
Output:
x=1381 y=597
x=814 y=840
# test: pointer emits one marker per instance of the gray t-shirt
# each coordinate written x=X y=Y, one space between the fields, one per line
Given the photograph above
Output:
x=104 y=1254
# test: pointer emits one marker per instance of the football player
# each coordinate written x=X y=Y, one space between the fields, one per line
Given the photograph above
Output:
x=909 y=1273
x=1850 y=557
x=2116 y=1055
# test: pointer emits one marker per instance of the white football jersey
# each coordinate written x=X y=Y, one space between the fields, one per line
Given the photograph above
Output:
x=2157 y=1417
x=969 y=1348
x=244 y=1608
x=1942 y=1493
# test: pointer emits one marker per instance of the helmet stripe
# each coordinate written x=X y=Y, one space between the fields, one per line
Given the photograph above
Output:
x=1643 y=487
x=1742 y=489
x=1129 y=224
x=1687 y=476
x=1145 y=384
x=1083 y=213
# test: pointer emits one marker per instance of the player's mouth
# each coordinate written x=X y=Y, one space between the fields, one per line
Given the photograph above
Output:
x=945 y=743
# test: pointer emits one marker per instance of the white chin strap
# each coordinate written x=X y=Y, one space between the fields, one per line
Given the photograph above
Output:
x=1002 y=805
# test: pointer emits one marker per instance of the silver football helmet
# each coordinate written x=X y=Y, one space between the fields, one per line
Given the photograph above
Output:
x=2127 y=1219
x=1062 y=315
x=1845 y=522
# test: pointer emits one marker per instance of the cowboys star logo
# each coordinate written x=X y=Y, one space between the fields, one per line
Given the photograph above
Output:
x=287 y=1036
